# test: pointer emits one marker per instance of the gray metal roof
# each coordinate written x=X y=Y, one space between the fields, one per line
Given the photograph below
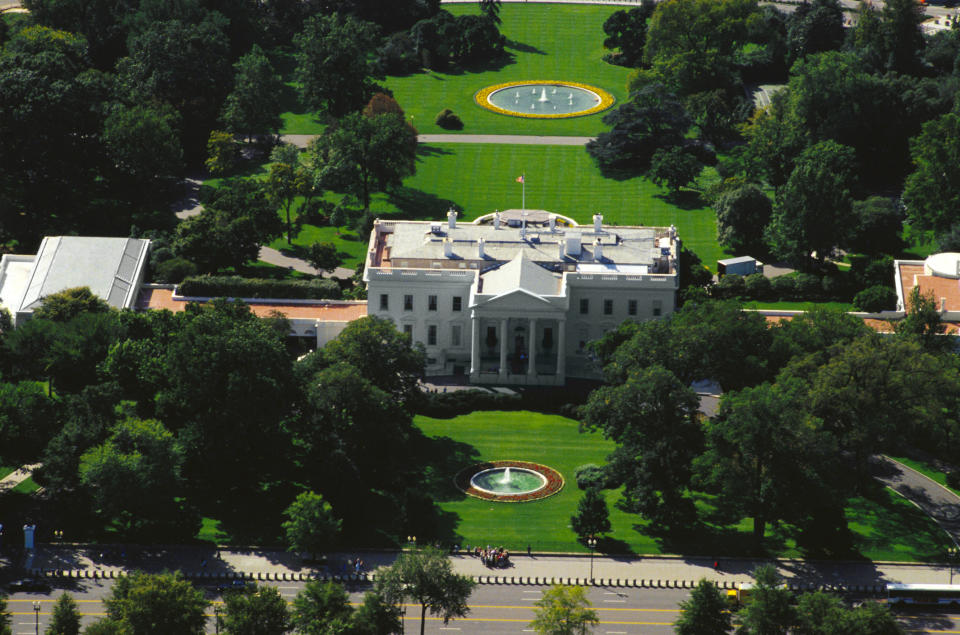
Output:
x=521 y=273
x=109 y=266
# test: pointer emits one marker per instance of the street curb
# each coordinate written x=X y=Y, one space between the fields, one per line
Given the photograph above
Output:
x=641 y=583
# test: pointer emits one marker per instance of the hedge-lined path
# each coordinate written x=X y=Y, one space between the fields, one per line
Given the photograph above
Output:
x=278 y=258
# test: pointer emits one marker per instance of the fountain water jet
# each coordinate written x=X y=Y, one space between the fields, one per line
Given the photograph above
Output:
x=543 y=96
x=506 y=476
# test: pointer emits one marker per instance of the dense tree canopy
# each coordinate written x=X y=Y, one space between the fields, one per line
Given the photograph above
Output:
x=144 y=604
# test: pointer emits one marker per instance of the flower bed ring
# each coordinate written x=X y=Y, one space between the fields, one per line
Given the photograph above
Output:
x=466 y=482
x=539 y=99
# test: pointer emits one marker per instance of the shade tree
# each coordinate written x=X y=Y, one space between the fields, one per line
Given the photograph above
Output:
x=564 y=610
x=310 y=525
x=742 y=215
x=626 y=30
x=258 y=610
x=333 y=71
x=142 y=603
x=705 y=613
x=652 y=417
x=253 y=106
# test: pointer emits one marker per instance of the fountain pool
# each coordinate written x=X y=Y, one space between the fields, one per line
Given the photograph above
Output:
x=544 y=100
x=507 y=480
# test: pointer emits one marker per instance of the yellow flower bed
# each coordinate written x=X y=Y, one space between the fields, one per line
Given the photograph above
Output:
x=483 y=95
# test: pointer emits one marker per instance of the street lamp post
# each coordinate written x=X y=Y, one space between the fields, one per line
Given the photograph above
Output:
x=592 y=542
x=952 y=554
x=217 y=610
x=36 y=617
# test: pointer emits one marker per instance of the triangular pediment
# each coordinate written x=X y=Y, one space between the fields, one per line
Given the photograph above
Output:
x=516 y=300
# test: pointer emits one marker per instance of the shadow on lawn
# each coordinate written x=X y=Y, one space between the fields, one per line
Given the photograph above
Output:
x=416 y=204
x=424 y=150
x=523 y=48
x=442 y=458
x=687 y=200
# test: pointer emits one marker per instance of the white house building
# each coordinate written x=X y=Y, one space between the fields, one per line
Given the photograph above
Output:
x=513 y=297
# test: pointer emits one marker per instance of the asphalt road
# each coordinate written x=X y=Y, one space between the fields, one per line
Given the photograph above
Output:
x=495 y=610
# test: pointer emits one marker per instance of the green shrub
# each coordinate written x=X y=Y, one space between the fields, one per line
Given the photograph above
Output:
x=757 y=286
x=729 y=286
x=174 y=270
x=590 y=476
x=446 y=405
x=953 y=479
x=237 y=287
x=784 y=287
x=806 y=286
x=875 y=299
x=447 y=120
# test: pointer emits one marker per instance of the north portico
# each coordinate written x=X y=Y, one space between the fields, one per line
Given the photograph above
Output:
x=514 y=296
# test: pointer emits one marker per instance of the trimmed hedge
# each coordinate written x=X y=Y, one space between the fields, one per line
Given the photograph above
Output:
x=238 y=287
x=446 y=405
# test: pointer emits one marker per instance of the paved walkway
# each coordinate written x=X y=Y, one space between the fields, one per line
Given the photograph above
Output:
x=16 y=477
x=934 y=499
x=301 y=140
x=651 y=571
x=278 y=258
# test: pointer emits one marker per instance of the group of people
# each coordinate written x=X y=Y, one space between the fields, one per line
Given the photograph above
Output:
x=495 y=558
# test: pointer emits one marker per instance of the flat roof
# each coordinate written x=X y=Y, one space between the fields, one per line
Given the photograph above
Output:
x=325 y=312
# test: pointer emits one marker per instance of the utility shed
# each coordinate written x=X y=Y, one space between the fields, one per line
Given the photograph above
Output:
x=741 y=266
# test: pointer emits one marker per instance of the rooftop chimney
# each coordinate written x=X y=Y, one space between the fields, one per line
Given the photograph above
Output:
x=447 y=247
x=598 y=223
x=452 y=219
x=597 y=251
x=496 y=219
x=480 y=245
x=553 y=222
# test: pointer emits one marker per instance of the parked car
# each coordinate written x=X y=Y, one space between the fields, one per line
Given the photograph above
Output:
x=30 y=585
x=235 y=585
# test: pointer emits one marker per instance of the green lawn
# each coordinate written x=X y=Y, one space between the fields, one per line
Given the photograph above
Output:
x=6 y=470
x=26 y=486
x=882 y=526
x=479 y=178
x=545 y=42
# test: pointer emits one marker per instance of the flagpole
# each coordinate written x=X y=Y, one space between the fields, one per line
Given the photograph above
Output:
x=523 y=191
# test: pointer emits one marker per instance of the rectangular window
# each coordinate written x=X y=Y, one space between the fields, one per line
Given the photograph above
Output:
x=631 y=307
x=408 y=303
x=657 y=307
x=431 y=303
x=457 y=303
x=408 y=330
x=455 y=334
x=608 y=307
x=384 y=302
x=432 y=335
x=584 y=306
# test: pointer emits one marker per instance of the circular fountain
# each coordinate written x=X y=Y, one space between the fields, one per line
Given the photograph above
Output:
x=509 y=481
x=540 y=99
x=506 y=480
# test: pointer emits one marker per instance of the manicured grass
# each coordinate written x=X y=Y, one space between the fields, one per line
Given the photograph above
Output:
x=211 y=531
x=927 y=470
x=479 y=178
x=882 y=525
x=545 y=42
x=26 y=486
x=6 y=471
x=785 y=305
x=889 y=527
x=351 y=246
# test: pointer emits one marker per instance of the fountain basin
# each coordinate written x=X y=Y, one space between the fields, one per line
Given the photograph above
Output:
x=527 y=481
x=508 y=480
x=544 y=99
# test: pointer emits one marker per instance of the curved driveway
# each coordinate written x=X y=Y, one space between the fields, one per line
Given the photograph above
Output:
x=301 y=140
x=934 y=499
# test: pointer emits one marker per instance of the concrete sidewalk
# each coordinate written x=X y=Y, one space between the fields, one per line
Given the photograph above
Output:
x=537 y=568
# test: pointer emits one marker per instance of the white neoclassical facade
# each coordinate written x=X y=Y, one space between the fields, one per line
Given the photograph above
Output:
x=513 y=297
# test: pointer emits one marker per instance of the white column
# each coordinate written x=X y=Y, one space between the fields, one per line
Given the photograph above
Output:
x=475 y=346
x=561 y=349
x=503 y=348
x=532 y=368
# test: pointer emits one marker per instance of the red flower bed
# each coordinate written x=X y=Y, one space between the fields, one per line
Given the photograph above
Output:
x=554 y=482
